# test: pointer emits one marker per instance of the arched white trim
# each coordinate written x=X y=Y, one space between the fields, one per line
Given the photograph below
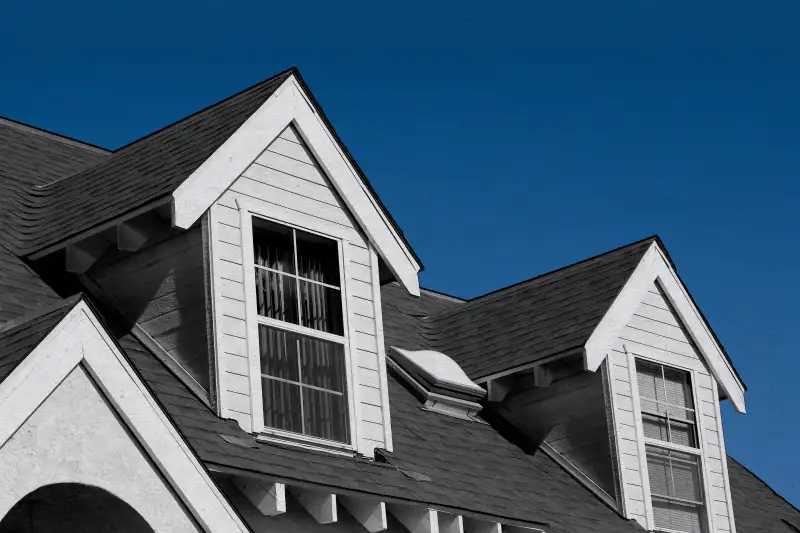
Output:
x=80 y=339
x=290 y=104
x=654 y=267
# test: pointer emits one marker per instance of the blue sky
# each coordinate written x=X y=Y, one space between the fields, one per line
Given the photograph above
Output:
x=506 y=140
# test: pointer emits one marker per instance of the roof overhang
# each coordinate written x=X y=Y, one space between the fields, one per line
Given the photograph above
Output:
x=292 y=104
x=80 y=339
x=655 y=267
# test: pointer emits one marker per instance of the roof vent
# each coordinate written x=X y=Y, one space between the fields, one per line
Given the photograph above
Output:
x=443 y=384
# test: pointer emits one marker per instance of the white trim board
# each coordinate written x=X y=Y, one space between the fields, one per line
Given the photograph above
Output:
x=289 y=104
x=80 y=339
x=654 y=267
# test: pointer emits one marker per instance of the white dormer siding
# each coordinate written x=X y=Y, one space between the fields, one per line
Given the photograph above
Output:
x=286 y=185
x=654 y=333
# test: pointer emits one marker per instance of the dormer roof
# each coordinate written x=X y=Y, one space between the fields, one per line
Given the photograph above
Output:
x=145 y=173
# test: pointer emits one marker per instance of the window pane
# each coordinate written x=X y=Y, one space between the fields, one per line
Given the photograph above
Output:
x=282 y=408
x=678 y=517
x=276 y=296
x=678 y=389
x=682 y=433
x=674 y=474
x=686 y=476
x=325 y=415
x=272 y=245
x=323 y=364
x=659 y=472
x=654 y=427
x=279 y=353
x=321 y=308
x=318 y=258
x=649 y=380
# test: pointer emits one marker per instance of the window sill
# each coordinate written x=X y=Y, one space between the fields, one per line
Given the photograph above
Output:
x=276 y=436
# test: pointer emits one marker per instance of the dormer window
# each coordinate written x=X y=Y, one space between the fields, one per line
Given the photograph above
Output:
x=301 y=334
x=672 y=449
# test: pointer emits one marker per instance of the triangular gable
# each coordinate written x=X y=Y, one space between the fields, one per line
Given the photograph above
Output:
x=655 y=268
x=291 y=104
x=79 y=340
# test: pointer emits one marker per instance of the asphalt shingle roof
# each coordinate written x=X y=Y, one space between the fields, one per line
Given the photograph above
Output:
x=131 y=177
x=756 y=507
x=547 y=315
x=30 y=157
x=18 y=339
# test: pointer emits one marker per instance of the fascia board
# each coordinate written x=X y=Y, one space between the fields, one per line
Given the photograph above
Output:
x=290 y=104
x=80 y=339
x=654 y=267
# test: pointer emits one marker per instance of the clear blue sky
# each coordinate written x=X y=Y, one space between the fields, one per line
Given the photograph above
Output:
x=507 y=141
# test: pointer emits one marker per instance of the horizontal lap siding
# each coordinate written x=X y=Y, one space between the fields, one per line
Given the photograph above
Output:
x=627 y=441
x=655 y=332
x=162 y=288
x=287 y=185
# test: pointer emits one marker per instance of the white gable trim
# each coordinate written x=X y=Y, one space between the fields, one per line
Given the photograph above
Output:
x=290 y=104
x=654 y=267
x=79 y=339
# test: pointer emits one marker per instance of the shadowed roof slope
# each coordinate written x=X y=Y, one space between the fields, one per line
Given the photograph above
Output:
x=133 y=176
x=19 y=339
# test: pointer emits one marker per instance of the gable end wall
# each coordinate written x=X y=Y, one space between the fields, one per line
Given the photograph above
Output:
x=654 y=332
x=285 y=184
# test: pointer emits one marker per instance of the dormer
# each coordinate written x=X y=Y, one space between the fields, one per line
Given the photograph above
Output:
x=248 y=250
x=609 y=367
x=297 y=247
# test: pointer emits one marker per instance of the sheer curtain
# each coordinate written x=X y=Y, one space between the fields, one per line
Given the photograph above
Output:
x=303 y=378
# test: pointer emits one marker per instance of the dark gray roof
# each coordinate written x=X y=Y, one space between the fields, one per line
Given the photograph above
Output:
x=472 y=469
x=546 y=315
x=756 y=507
x=133 y=176
x=19 y=338
x=145 y=171
x=31 y=157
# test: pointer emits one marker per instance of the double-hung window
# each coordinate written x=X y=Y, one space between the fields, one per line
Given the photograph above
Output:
x=672 y=449
x=301 y=333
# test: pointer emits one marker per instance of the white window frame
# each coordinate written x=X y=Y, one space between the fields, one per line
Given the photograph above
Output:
x=645 y=441
x=253 y=320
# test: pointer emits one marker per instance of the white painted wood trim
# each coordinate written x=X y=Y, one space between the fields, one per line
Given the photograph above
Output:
x=637 y=420
x=268 y=498
x=723 y=459
x=450 y=523
x=246 y=211
x=416 y=519
x=320 y=505
x=290 y=104
x=701 y=453
x=370 y=514
x=213 y=290
x=80 y=339
x=353 y=385
x=379 y=338
x=654 y=267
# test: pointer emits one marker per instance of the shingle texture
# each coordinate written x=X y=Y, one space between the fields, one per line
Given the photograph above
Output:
x=471 y=468
x=20 y=338
x=521 y=324
x=29 y=158
x=132 y=176
x=756 y=507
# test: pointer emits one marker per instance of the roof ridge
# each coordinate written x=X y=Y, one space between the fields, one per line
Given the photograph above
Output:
x=653 y=237
x=35 y=130
x=763 y=482
x=210 y=106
